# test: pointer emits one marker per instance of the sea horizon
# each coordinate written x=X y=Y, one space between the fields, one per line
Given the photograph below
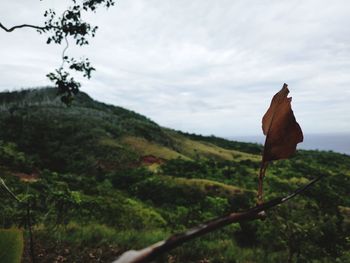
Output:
x=336 y=142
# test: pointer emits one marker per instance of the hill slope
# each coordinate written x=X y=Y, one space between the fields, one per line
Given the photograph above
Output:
x=94 y=134
x=112 y=179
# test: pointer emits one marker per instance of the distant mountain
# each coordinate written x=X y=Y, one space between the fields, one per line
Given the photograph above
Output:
x=99 y=136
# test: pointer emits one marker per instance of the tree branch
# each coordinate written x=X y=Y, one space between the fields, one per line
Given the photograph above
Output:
x=5 y=187
x=150 y=253
x=21 y=26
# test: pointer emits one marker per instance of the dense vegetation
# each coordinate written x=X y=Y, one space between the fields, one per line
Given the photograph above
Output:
x=101 y=180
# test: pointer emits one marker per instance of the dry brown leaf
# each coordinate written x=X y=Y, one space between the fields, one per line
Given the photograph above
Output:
x=282 y=131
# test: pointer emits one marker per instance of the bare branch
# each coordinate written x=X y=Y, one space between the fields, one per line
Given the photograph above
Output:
x=150 y=253
x=22 y=26
x=5 y=187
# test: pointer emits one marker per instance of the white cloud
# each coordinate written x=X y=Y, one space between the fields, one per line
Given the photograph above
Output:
x=202 y=66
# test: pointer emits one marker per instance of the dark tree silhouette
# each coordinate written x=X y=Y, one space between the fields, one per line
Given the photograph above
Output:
x=59 y=28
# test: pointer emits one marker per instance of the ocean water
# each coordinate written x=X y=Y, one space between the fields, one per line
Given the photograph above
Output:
x=324 y=142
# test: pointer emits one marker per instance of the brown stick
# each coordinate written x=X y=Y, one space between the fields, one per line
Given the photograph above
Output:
x=262 y=171
x=149 y=253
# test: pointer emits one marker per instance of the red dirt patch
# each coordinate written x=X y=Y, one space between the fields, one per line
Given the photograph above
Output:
x=33 y=177
x=150 y=159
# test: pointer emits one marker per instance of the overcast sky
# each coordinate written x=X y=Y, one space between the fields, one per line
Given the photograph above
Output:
x=209 y=67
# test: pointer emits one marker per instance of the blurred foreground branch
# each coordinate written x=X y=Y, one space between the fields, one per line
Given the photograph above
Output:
x=27 y=217
x=150 y=253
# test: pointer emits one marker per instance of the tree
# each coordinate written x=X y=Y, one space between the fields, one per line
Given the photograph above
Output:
x=61 y=28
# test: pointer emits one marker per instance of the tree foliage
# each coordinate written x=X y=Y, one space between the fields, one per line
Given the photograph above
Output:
x=60 y=28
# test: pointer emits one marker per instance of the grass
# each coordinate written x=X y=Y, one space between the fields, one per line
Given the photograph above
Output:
x=92 y=242
x=100 y=234
x=193 y=149
x=110 y=142
x=11 y=245
x=186 y=149
x=149 y=148
x=215 y=248
x=209 y=187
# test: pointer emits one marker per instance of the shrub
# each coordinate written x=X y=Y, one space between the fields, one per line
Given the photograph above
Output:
x=11 y=245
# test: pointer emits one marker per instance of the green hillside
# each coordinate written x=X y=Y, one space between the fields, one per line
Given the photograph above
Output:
x=102 y=179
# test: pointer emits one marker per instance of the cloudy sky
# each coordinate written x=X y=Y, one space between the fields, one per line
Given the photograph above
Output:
x=209 y=67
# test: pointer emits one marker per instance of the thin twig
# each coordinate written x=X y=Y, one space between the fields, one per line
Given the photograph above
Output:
x=64 y=52
x=21 y=26
x=2 y=182
x=66 y=39
x=150 y=253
